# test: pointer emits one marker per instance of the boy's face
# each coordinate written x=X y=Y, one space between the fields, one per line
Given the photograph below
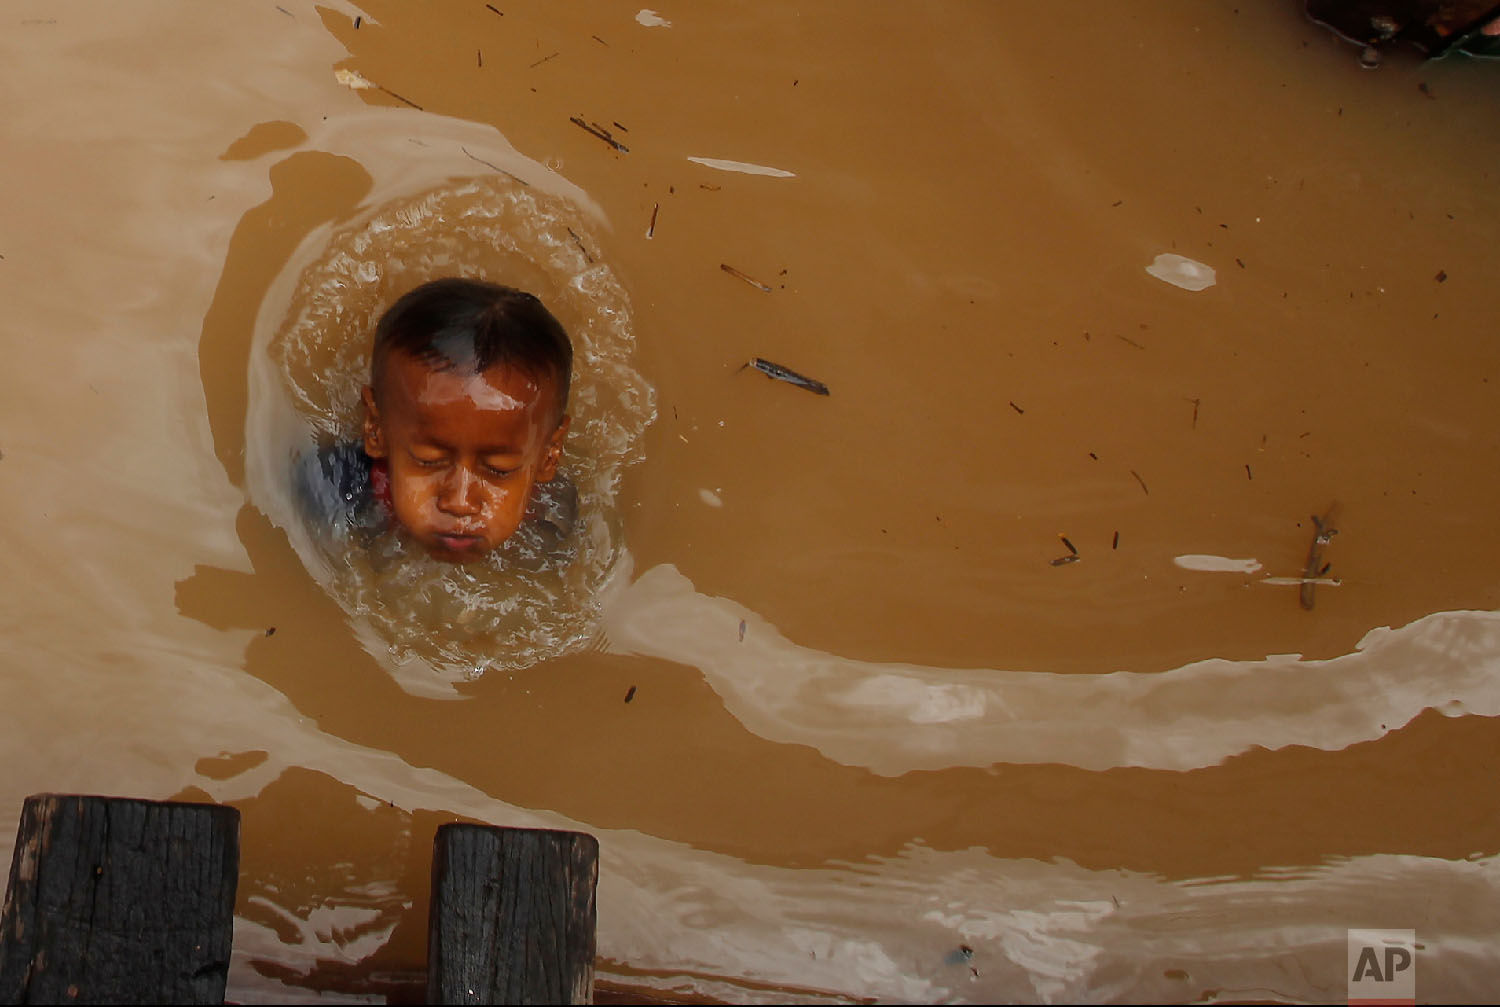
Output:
x=464 y=450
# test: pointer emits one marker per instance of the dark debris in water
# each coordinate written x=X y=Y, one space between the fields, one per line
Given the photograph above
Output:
x=597 y=130
x=1315 y=567
x=763 y=287
x=1433 y=26
x=779 y=373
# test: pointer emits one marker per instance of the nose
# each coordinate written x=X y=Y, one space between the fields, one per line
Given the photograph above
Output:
x=459 y=495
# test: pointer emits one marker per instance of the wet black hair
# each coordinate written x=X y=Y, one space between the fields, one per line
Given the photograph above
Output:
x=470 y=326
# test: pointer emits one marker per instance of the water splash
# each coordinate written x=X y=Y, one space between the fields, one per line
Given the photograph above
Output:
x=531 y=599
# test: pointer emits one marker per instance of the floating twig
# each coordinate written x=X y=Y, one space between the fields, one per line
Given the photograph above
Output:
x=1018 y=409
x=1127 y=339
x=630 y=692
x=398 y=97
x=358 y=18
x=1141 y=481
x=579 y=242
x=491 y=164
x=497 y=10
x=748 y=279
x=786 y=374
x=602 y=134
x=1071 y=557
x=1195 y=403
x=1116 y=543
x=1314 y=568
x=651 y=228
x=544 y=59
x=742 y=631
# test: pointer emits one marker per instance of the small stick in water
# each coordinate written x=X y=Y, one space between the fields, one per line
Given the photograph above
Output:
x=1141 y=481
x=579 y=242
x=491 y=164
x=655 y=209
x=600 y=133
x=780 y=373
x=750 y=280
x=1071 y=557
x=404 y=101
x=629 y=694
x=1315 y=567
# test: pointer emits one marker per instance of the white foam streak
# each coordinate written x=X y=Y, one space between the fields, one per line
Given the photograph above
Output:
x=895 y=718
x=743 y=167
x=1180 y=271
x=1216 y=564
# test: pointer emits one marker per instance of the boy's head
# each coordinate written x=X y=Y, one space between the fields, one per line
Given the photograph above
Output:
x=467 y=404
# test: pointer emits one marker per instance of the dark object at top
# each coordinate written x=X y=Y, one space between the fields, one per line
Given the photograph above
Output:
x=1434 y=26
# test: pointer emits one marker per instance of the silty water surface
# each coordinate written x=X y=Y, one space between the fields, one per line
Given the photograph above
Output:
x=1108 y=779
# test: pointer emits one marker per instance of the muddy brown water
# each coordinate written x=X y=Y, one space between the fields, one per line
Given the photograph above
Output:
x=872 y=723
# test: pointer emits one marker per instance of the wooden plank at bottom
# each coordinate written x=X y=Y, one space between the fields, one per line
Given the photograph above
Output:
x=512 y=918
x=115 y=901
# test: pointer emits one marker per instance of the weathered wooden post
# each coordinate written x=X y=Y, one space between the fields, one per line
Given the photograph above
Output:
x=116 y=901
x=512 y=918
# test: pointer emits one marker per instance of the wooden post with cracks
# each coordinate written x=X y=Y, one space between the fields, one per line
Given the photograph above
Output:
x=114 y=901
x=512 y=918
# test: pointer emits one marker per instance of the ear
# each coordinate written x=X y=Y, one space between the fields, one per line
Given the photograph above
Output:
x=552 y=452
x=374 y=438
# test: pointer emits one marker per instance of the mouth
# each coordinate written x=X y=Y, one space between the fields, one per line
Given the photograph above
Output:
x=460 y=545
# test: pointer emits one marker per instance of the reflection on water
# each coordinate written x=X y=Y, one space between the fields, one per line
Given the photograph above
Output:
x=933 y=765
